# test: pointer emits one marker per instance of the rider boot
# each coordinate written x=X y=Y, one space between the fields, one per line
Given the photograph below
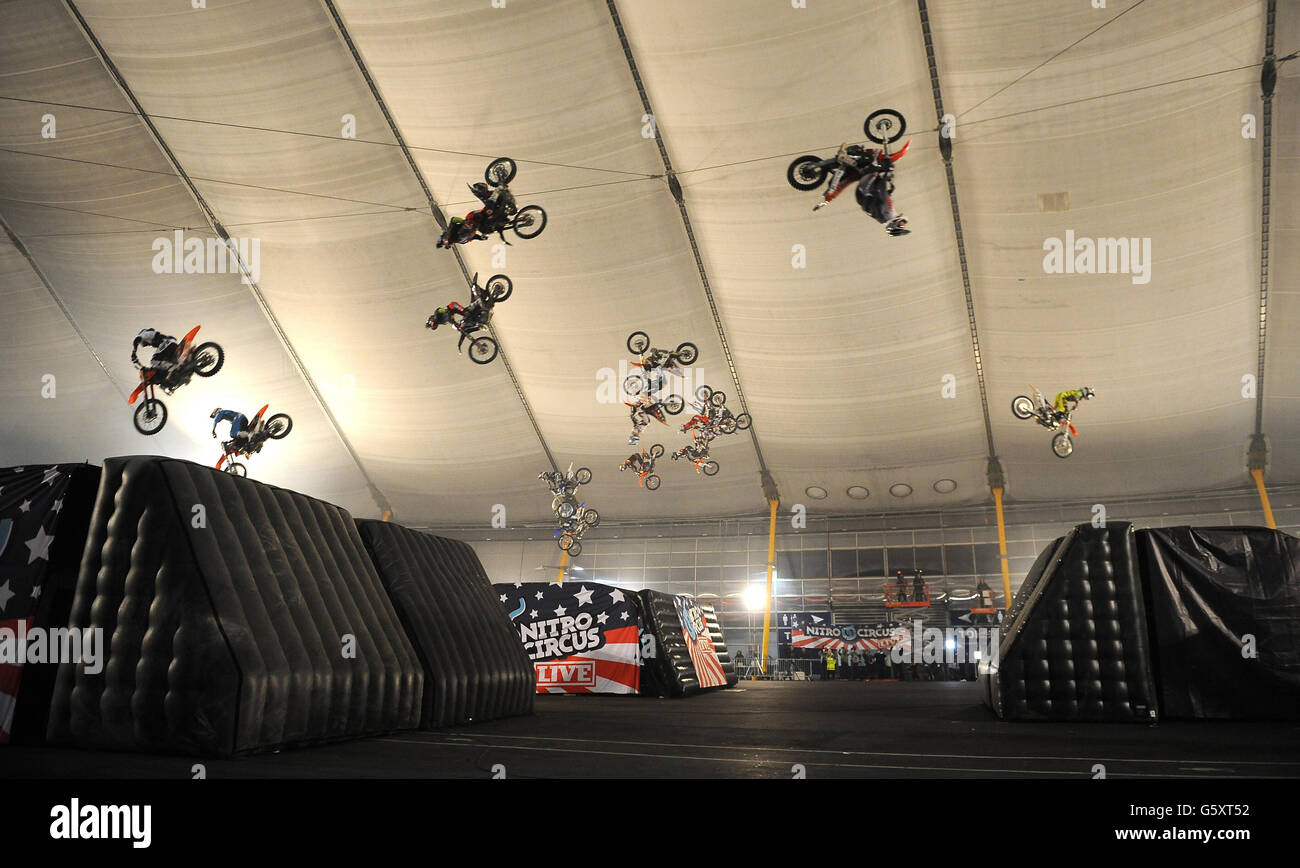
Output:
x=897 y=226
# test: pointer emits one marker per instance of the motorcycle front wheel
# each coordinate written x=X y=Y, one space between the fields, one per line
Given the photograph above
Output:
x=727 y=425
x=743 y=421
x=483 y=350
x=638 y=343
x=652 y=482
x=885 y=126
x=234 y=468
x=150 y=417
x=530 y=221
x=703 y=393
x=279 y=426
x=500 y=171
x=583 y=475
x=687 y=353
x=1062 y=445
x=208 y=359
x=674 y=404
x=1022 y=407
x=657 y=450
x=591 y=518
x=574 y=549
x=805 y=173
x=635 y=384
x=717 y=399
x=710 y=468
x=566 y=510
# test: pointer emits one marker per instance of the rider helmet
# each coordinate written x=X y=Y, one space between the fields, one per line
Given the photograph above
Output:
x=214 y=413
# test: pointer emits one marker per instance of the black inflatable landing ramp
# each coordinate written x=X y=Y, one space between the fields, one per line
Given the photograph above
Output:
x=237 y=617
x=475 y=667
x=1077 y=647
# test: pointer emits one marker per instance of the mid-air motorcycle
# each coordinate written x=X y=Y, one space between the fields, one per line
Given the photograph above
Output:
x=275 y=428
x=884 y=127
x=476 y=316
x=644 y=465
x=1041 y=411
x=655 y=360
x=203 y=360
x=526 y=222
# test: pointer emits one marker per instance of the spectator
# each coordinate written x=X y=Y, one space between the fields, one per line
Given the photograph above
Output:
x=830 y=664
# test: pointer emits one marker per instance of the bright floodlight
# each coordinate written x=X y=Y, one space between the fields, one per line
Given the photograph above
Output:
x=755 y=597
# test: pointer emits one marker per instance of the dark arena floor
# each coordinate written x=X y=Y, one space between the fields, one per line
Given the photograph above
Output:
x=757 y=730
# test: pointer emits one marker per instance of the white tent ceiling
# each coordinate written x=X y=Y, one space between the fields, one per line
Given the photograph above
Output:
x=841 y=361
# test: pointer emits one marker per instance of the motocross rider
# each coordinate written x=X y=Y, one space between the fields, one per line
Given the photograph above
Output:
x=165 y=350
x=462 y=230
x=1074 y=396
x=240 y=433
x=873 y=168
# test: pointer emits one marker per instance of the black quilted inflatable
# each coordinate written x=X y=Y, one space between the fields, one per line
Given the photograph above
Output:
x=231 y=636
x=1077 y=646
x=1225 y=606
x=675 y=669
x=475 y=667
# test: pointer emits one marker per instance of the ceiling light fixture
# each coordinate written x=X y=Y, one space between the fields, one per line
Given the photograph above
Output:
x=858 y=492
x=900 y=489
x=816 y=492
x=945 y=486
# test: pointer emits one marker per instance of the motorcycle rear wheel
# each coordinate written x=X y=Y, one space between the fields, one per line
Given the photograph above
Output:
x=805 y=174
x=674 y=404
x=717 y=399
x=591 y=518
x=743 y=421
x=652 y=482
x=150 y=417
x=885 y=126
x=530 y=221
x=635 y=384
x=703 y=393
x=583 y=475
x=208 y=359
x=1062 y=445
x=500 y=171
x=574 y=549
x=499 y=287
x=687 y=353
x=727 y=425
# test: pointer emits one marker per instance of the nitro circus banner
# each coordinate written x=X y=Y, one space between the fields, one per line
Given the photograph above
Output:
x=581 y=638
x=708 y=668
x=786 y=621
x=880 y=637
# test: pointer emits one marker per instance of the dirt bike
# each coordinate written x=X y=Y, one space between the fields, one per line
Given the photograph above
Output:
x=476 y=316
x=527 y=222
x=276 y=428
x=1041 y=411
x=203 y=360
x=714 y=414
x=646 y=477
x=654 y=360
x=698 y=454
x=570 y=532
x=563 y=486
x=884 y=127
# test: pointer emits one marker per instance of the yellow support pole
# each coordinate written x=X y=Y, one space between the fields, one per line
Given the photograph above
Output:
x=564 y=560
x=767 y=599
x=1263 y=497
x=1002 y=549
